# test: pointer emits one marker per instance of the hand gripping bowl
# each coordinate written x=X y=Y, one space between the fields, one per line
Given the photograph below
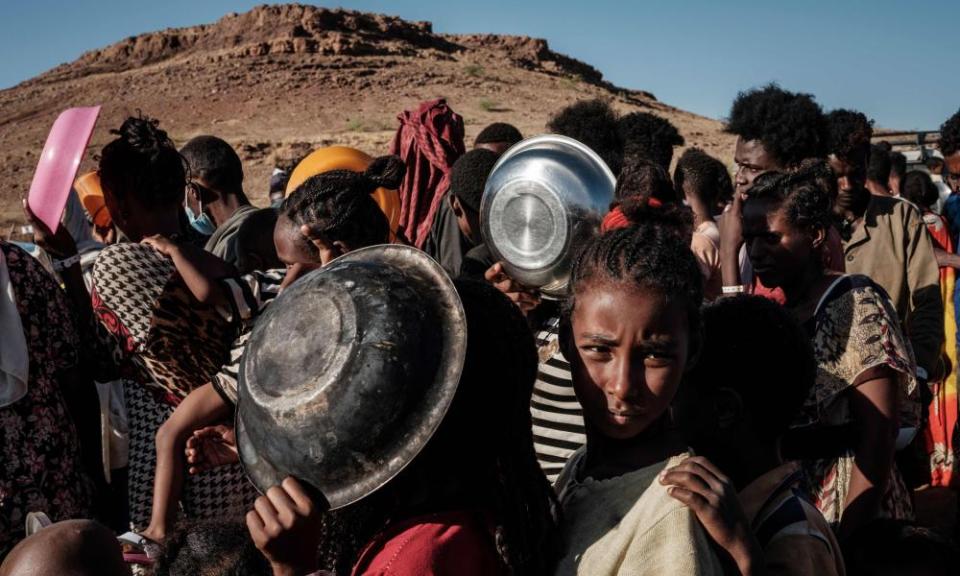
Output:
x=349 y=372
x=544 y=197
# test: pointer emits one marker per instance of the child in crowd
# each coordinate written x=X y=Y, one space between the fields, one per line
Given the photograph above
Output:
x=734 y=418
x=473 y=502
x=631 y=329
x=706 y=187
x=328 y=215
x=213 y=547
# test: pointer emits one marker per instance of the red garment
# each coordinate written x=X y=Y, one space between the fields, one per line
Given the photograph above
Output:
x=459 y=542
x=428 y=141
x=832 y=257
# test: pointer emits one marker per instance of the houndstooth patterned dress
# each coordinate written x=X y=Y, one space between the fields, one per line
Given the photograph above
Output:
x=171 y=344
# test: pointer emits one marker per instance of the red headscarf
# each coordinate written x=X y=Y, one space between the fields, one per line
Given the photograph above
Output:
x=428 y=141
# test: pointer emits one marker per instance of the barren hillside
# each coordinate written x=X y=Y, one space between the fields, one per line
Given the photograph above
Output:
x=279 y=80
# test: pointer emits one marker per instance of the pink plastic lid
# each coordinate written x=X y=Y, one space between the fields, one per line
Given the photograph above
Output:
x=59 y=163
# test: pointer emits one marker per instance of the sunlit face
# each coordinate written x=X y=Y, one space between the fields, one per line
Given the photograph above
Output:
x=951 y=171
x=779 y=252
x=752 y=160
x=628 y=354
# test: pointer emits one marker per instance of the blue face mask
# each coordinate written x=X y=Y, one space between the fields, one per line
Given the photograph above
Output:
x=202 y=224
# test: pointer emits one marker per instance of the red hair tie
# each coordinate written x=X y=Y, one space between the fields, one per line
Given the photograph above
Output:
x=614 y=220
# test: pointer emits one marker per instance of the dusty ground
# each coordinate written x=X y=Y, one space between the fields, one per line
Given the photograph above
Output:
x=280 y=80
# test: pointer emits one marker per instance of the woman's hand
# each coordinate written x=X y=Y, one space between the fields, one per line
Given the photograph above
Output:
x=211 y=447
x=60 y=245
x=704 y=489
x=161 y=244
x=525 y=298
x=285 y=526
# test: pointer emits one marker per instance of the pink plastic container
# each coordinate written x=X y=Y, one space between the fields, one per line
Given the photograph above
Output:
x=59 y=162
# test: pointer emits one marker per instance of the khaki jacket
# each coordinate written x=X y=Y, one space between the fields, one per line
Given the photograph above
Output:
x=892 y=247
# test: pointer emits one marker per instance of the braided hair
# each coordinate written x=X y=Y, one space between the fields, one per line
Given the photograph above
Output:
x=803 y=195
x=337 y=204
x=143 y=162
x=646 y=256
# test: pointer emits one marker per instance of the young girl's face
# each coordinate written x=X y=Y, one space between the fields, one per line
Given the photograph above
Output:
x=630 y=349
x=292 y=247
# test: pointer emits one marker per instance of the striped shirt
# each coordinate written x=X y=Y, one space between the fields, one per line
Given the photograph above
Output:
x=558 y=429
x=794 y=535
x=248 y=296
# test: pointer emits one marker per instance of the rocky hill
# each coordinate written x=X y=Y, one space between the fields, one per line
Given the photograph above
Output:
x=279 y=80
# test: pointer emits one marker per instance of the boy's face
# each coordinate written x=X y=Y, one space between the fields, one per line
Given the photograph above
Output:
x=752 y=160
x=467 y=220
x=628 y=353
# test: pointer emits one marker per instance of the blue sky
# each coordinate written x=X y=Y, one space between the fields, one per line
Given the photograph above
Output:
x=882 y=57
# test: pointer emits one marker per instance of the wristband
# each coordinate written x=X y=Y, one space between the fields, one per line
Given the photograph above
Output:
x=738 y=289
x=61 y=265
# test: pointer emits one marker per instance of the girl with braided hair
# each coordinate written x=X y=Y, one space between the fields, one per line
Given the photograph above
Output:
x=326 y=216
x=865 y=388
x=630 y=330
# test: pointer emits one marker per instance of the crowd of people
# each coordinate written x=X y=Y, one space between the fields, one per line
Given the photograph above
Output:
x=753 y=370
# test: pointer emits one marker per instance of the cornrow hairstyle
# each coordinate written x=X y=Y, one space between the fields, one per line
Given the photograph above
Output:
x=917 y=187
x=649 y=136
x=850 y=134
x=216 y=162
x=707 y=177
x=950 y=136
x=594 y=123
x=644 y=179
x=468 y=177
x=791 y=126
x=879 y=166
x=647 y=256
x=801 y=194
x=338 y=204
x=143 y=162
x=671 y=217
x=499 y=132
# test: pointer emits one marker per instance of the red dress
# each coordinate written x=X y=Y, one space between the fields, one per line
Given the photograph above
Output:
x=459 y=542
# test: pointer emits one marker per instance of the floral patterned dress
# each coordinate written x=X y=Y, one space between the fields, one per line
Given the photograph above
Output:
x=40 y=468
x=855 y=328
